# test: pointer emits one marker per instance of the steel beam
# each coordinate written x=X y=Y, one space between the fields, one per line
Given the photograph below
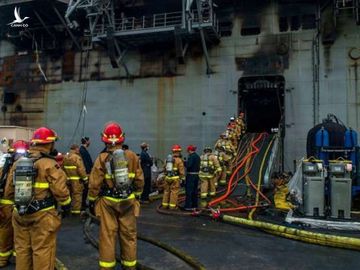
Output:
x=115 y=53
x=203 y=42
x=67 y=28
x=121 y=57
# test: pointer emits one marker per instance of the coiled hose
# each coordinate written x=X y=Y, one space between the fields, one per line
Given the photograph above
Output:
x=297 y=234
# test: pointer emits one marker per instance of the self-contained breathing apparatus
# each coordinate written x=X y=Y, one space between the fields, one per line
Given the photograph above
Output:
x=170 y=170
x=117 y=168
x=219 y=157
x=206 y=165
x=6 y=162
x=24 y=178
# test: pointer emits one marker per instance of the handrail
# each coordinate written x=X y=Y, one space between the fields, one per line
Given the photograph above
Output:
x=158 y=21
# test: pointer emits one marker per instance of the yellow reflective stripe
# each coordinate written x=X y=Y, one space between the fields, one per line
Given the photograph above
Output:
x=75 y=211
x=212 y=193
x=205 y=175
x=107 y=264
x=70 y=167
x=109 y=176
x=137 y=193
x=68 y=201
x=7 y=202
x=92 y=198
x=74 y=177
x=85 y=178
x=172 y=177
x=40 y=185
x=172 y=205
x=14 y=253
x=128 y=263
x=131 y=196
x=48 y=208
x=6 y=254
x=165 y=204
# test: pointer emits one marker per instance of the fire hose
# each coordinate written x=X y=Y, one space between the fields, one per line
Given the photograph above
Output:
x=297 y=234
x=242 y=163
x=180 y=254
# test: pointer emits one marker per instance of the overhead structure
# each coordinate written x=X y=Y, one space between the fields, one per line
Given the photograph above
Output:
x=44 y=25
x=116 y=25
x=342 y=5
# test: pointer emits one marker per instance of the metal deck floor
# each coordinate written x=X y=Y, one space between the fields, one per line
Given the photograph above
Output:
x=214 y=244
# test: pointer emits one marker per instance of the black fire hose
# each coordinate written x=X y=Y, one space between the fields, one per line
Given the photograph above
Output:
x=181 y=255
x=95 y=243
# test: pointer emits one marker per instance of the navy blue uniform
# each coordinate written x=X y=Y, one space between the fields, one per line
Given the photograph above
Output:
x=146 y=163
x=86 y=159
x=88 y=166
x=192 y=180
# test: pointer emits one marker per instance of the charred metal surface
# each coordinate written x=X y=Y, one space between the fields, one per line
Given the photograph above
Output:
x=262 y=64
x=158 y=64
x=21 y=76
x=68 y=67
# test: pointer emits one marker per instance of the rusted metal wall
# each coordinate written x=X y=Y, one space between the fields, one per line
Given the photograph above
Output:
x=20 y=78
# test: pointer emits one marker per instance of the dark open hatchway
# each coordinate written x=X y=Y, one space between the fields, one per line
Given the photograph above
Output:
x=262 y=100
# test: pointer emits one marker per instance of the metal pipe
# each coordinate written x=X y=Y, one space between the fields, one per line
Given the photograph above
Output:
x=67 y=28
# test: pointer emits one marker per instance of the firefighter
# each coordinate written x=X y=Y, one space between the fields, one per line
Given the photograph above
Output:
x=18 y=149
x=241 y=122
x=116 y=182
x=225 y=163
x=232 y=136
x=220 y=160
x=37 y=181
x=174 y=174
x=76 y=174
x=209 y=171
x=235 y=127
x=224 y=143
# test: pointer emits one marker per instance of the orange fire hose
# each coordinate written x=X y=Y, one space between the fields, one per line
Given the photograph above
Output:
x=249 y=155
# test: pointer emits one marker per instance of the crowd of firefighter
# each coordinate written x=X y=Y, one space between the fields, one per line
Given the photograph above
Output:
x=37 y=189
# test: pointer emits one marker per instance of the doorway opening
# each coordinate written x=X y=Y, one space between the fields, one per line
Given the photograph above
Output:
x=261 y=98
